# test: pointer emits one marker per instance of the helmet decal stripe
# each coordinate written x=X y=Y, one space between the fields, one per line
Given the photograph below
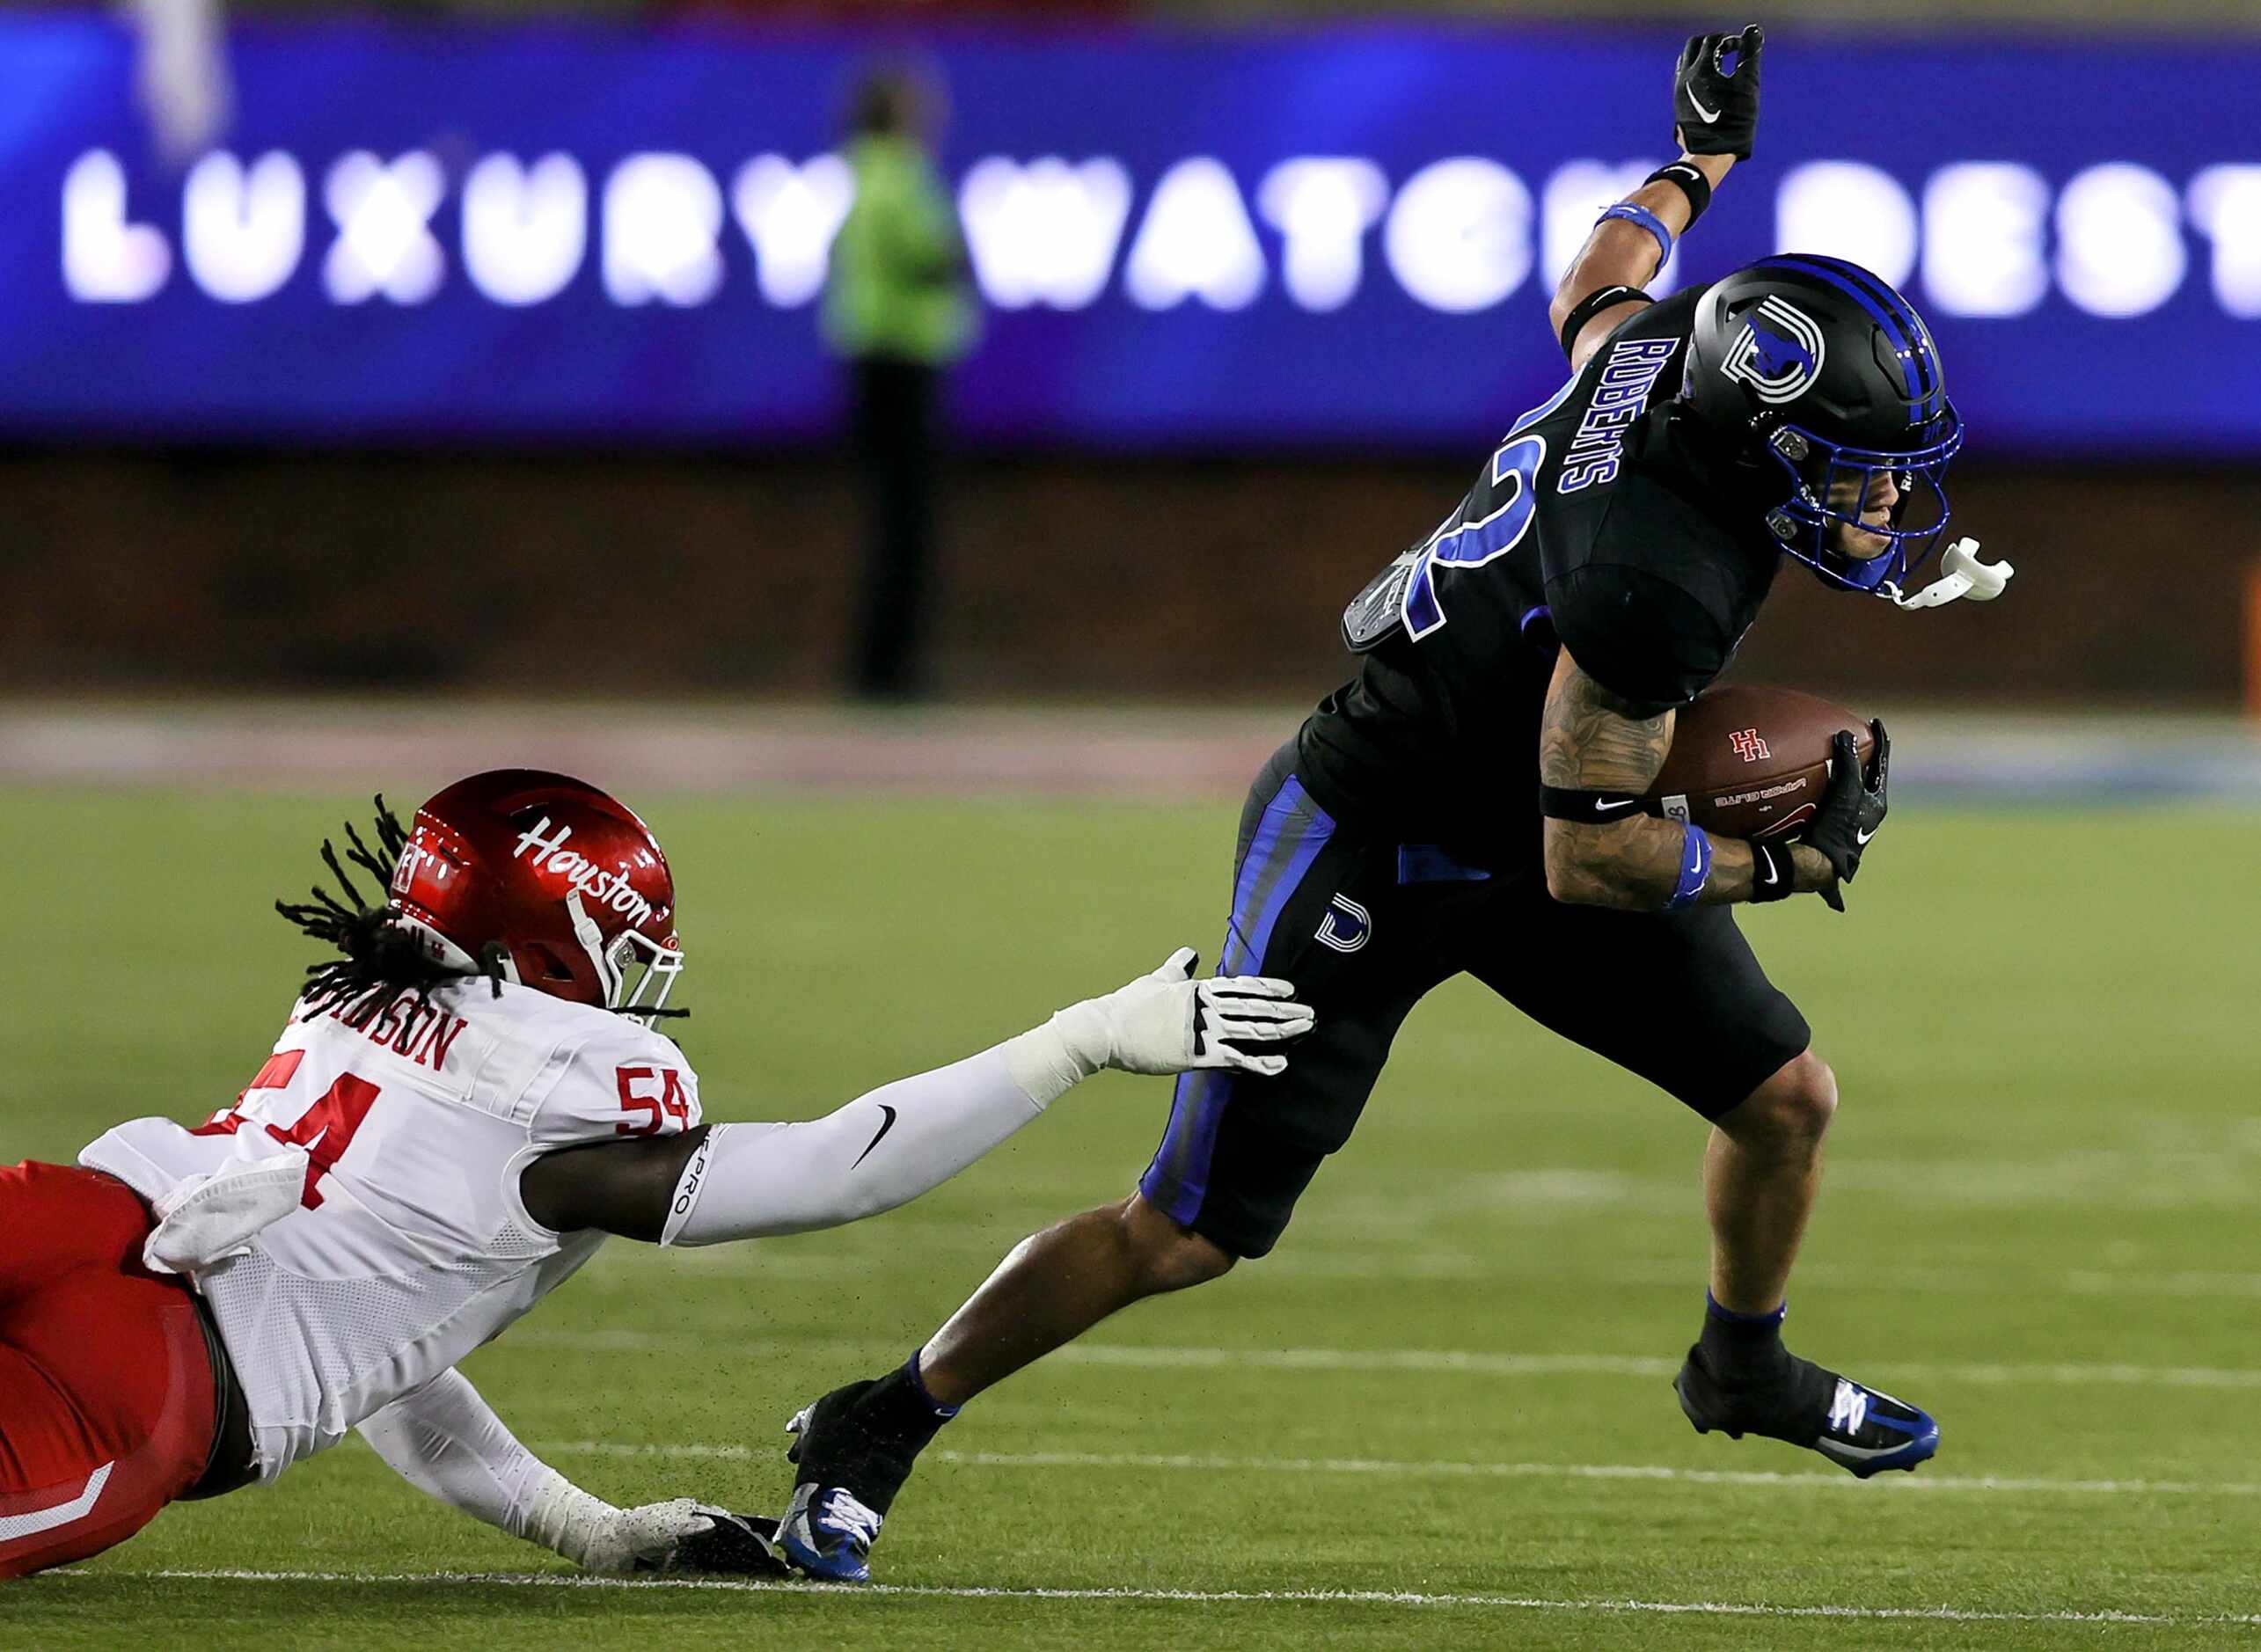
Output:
x=1910 y=341
x=1931 y=387
x=1883 y=305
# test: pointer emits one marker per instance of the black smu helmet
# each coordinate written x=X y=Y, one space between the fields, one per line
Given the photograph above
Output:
x=1819 y=366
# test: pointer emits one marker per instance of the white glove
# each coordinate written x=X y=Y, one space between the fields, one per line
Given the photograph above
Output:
x=1161 y=1023
x=1167 y=1022
x=591 y=1532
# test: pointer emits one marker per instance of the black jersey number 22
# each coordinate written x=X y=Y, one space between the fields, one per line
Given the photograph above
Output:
x=1489 y=524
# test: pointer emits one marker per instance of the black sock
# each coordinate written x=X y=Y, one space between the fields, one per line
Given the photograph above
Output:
x=1742 y=1347
x=898 y=1409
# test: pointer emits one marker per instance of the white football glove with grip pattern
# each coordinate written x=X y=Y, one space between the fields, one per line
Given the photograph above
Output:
x=1168 y=1022
x=680 y=1535
x=1164 y=1022
x=591 y=1532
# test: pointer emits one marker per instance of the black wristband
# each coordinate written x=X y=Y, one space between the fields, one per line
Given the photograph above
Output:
x=1592 y=808
x=1688 y=179
x=1773 y=875
x=1591 y=305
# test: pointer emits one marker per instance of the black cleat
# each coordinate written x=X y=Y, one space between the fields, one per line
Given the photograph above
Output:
x=737 y=1546
x=850 y=1471
x=1861 y=1429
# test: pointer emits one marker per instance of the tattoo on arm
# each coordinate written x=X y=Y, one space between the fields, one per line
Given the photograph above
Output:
x=1590 y=740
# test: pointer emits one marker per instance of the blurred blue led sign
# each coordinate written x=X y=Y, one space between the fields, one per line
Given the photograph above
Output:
x=1342 y=240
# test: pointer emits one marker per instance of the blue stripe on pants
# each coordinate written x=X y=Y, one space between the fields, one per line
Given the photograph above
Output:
x=1289 y=836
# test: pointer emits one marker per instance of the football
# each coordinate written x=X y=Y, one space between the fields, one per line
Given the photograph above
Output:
x=1752 y=761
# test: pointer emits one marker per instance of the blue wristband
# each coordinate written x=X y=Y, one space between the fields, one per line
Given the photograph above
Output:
x=1695 y=868
x=1642 y=218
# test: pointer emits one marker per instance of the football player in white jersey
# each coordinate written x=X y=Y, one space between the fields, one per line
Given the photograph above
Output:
x=466 y=1100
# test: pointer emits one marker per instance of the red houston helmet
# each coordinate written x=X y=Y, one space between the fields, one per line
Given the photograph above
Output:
x=563 y=879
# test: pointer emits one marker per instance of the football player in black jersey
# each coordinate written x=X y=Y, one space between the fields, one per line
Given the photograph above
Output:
x=1469 y=802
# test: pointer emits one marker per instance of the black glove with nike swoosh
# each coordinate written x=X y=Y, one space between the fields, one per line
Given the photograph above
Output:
x=1715 y=93
x=1852 y=809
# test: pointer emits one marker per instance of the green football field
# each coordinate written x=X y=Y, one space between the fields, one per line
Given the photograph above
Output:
x=1439 y=1415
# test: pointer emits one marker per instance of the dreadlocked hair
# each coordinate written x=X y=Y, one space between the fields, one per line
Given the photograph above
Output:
x=383 y=960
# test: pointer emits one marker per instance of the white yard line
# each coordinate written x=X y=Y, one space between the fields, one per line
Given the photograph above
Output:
x=1426 y=1469
x=1419 y=1469
x=1425 y=1359
x=1464 y=1362
x=674 y=1448
x=1197 y=1597
x=1476 y=1362
x=623 y=1269
x=2189 y=1282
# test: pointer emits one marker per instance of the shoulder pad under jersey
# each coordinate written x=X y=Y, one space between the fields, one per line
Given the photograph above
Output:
x=1377 y=613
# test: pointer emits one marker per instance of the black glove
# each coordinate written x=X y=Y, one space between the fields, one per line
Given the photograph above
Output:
x=1716 y=108
x=1852 y=810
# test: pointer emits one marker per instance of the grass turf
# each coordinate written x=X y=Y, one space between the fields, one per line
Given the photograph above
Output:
x=1449 y=1383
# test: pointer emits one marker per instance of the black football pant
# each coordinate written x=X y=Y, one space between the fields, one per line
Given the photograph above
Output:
x=1364 y=925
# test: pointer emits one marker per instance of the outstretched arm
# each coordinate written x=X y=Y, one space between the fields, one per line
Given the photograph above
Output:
x=1620 y=257
x=729 y=1182
x=1715 y=113
x=445 y=1440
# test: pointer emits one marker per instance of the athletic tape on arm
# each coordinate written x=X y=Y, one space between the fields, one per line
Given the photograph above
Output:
x=881 y=1150
x=1591 y=305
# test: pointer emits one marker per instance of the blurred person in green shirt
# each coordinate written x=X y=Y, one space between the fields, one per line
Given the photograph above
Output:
x=899 y=309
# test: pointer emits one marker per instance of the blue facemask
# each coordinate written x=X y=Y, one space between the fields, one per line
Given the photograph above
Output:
x=1820 y=469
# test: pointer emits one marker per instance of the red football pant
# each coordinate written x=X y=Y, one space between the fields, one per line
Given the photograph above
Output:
x=106 y=1386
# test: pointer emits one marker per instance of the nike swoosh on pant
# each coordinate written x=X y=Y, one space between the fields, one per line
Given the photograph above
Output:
x=884 y=1128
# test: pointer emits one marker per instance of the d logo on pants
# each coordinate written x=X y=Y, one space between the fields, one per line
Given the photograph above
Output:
x=1345 y=925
